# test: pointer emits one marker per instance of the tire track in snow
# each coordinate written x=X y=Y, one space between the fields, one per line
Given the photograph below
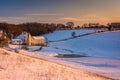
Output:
x=68 y=50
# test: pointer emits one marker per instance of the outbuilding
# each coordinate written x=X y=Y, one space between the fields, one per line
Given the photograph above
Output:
x=27 y=38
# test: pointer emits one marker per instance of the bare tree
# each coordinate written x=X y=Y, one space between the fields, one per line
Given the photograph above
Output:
x=70 y=24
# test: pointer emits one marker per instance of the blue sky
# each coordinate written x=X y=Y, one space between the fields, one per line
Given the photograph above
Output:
x=60 y=11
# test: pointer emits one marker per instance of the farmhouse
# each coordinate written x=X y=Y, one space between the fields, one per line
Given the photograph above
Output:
x=28 y=39
x=17 y=41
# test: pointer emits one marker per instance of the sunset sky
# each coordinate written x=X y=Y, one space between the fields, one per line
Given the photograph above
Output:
x=60 y=11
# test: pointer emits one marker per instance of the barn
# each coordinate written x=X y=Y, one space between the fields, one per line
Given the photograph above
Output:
x=28 y=39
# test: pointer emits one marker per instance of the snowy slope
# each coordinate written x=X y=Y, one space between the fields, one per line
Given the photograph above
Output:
x=62 y=34
x=103 y=49
x=100 y=45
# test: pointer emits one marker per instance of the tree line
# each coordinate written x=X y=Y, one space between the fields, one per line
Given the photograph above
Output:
x=36 y=29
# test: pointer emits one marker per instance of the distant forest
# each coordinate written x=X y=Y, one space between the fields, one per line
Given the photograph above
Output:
x=35 y=29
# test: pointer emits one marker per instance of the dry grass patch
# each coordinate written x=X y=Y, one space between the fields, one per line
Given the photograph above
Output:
x=22 y=67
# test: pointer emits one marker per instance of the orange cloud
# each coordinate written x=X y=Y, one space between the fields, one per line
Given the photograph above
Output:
x=70 y=18
x=84 y=18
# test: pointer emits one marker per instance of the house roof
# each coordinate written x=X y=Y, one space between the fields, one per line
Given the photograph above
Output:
x=21 y=36
x=38 y=37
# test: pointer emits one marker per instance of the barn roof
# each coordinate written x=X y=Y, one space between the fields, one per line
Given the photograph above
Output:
x=38 y=37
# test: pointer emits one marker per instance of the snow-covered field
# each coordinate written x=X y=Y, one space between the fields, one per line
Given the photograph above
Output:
x=62 y=34
x=98 y=45
x=103 y=50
